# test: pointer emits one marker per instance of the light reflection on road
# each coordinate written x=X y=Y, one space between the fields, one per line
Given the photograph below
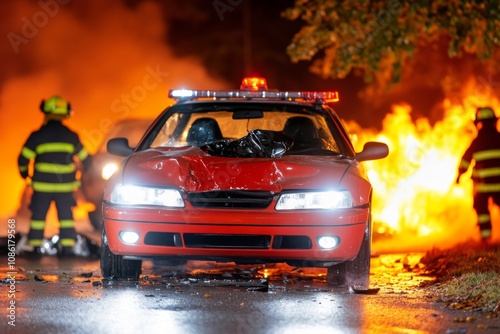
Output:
x=393 y=273
x=204 y=297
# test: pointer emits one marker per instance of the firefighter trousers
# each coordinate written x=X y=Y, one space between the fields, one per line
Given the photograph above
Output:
x=481 y=203
x=40 y=204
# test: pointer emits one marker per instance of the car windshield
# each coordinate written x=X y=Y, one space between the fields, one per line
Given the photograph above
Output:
x=310 y=129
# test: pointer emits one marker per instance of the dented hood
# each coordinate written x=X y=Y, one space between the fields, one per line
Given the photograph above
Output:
x=193 y=170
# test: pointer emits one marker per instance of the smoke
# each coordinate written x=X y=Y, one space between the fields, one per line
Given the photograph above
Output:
x=428 y=78
x=108 y=60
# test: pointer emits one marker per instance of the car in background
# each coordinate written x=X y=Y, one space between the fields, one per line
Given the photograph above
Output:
x=105 y=164
x=245 y=176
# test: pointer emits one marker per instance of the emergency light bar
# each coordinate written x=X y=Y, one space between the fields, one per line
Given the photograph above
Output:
x=253 y=87
x=187 y=94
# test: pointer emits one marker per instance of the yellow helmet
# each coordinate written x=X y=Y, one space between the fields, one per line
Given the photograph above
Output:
x=485 y=114
x=56 y=105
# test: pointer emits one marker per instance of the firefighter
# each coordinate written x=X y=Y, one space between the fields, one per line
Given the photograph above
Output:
x=484 y=152
x=53 y=149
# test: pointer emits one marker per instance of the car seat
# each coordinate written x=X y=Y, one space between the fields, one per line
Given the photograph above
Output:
x=203 y=131
x=303 y=132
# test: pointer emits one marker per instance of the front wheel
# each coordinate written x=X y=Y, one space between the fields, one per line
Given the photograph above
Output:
x=115 y=266
x=356 y=272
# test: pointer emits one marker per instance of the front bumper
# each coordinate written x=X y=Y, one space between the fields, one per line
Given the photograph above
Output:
x=233 y=235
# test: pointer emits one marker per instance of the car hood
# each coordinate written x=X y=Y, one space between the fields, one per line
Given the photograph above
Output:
x=193 y=170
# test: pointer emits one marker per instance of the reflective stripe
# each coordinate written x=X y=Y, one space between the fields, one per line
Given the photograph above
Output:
x=67 y=223
x=484 y=218
x=55 y=187
x=464 y=164
x=35 y=242
x=486 y=172
x=485 y=234
x=46 y=167
x=83 y=154
x=37 y=224
x=55 y=148
x=488 y=188
x=67 y=242
x=486 y=155
x=23 y=168
x=27 y=153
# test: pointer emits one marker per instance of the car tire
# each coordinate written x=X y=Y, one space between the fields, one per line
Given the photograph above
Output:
x=115 y=266
x=356 y=272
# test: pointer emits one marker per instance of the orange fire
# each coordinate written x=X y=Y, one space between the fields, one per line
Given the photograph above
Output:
x=107 y=70
x=416 y=198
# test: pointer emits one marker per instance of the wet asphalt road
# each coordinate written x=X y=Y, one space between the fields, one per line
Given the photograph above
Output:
x=53 y=295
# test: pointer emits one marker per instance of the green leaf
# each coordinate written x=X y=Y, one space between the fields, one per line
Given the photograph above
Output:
x=363 y=34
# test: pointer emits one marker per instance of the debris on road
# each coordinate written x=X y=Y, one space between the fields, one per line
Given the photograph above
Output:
x=362 y=291
x=39 y=278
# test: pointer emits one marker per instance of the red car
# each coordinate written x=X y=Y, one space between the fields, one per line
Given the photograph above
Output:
x=245 y=176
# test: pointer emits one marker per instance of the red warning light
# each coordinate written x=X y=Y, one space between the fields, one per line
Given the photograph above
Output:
x=253 y=84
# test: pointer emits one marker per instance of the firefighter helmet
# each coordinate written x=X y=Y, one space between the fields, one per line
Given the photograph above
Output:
x=485 y=114
x=56 y=105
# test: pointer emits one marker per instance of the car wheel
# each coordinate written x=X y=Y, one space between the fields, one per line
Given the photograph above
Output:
x=115 y=266
x=356 y=272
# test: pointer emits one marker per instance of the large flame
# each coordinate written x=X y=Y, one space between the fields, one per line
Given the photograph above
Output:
x=416 y=199
x=107 y=59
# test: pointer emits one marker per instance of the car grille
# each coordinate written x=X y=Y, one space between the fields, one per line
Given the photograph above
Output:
x=245 y=241
x=236 y=241
x=163 y=239
x=292 y=242
x=233 y=199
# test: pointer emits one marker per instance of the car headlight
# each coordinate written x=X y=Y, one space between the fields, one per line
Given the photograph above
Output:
x=315 y=200
x=108 y=170
x=135 y=195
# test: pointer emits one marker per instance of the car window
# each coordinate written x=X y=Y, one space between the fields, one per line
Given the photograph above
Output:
x=164 y=137
x=308 y=128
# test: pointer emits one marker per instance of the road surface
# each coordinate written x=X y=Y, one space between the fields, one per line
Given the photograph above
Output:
x=52 y=295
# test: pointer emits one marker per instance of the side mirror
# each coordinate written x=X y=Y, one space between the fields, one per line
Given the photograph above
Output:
x=373 y=151
x=119 y=146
